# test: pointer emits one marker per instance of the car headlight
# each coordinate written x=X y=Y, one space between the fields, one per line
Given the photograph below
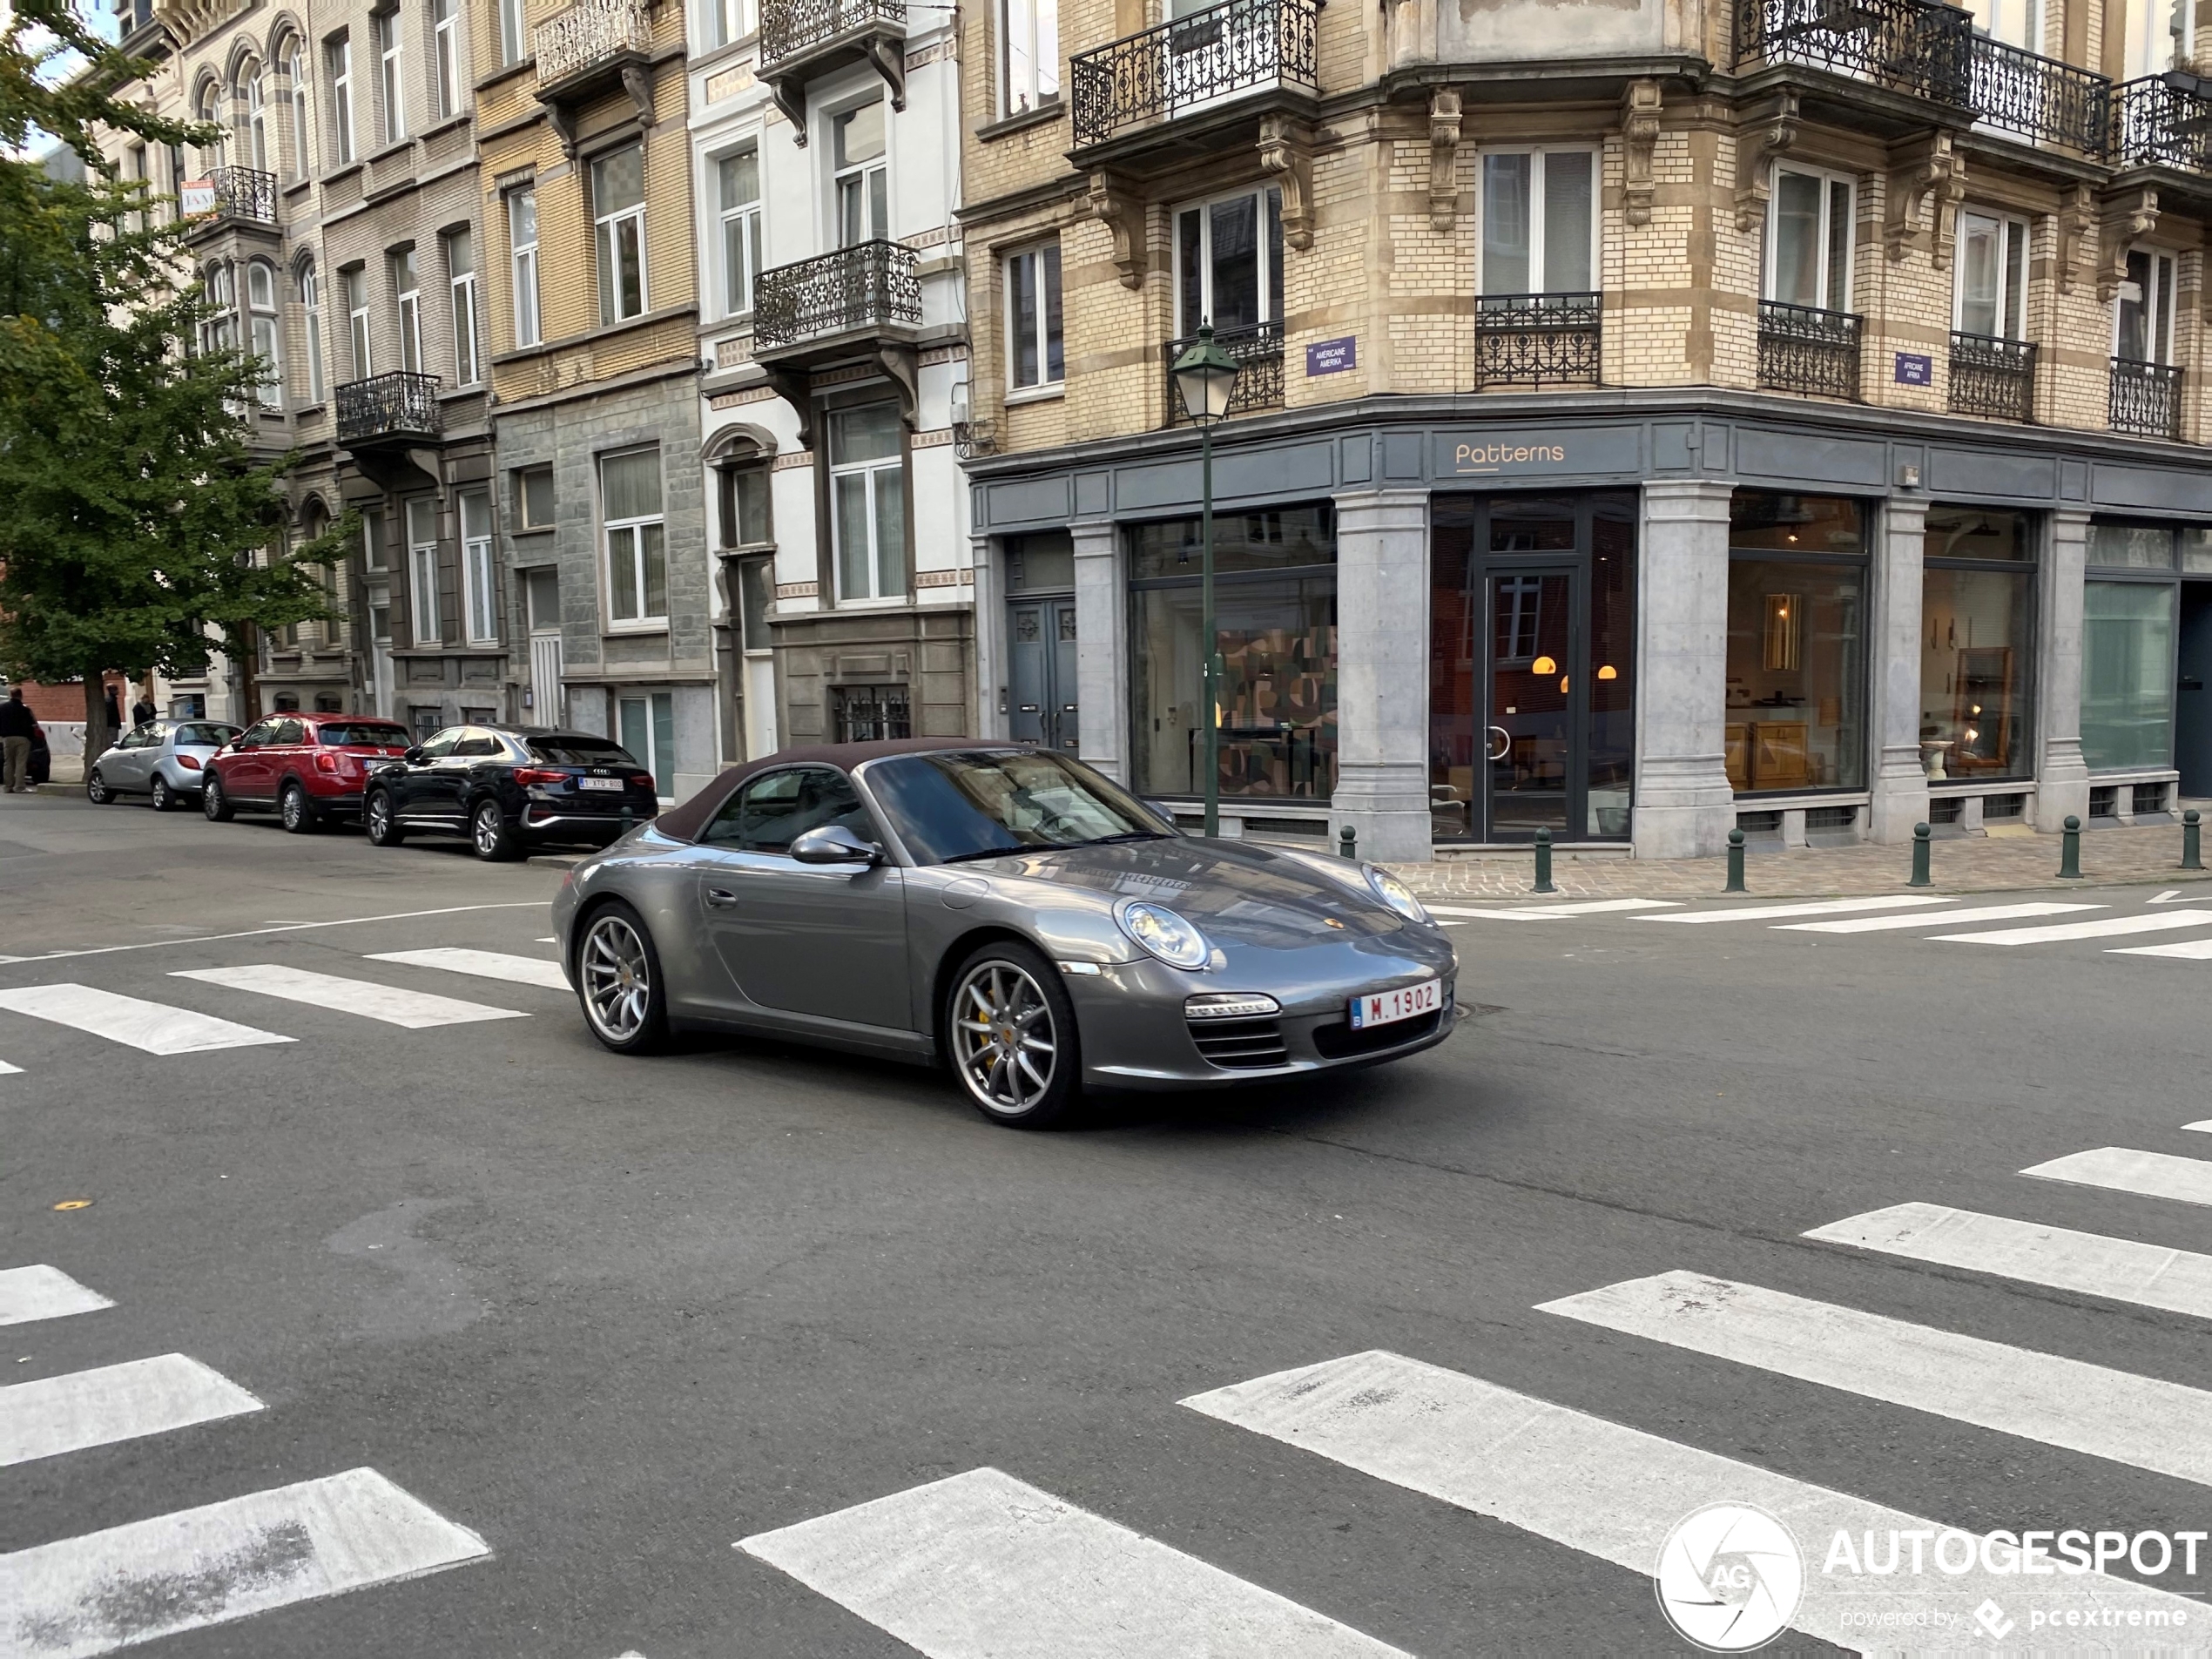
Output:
x=1159 y=932
x=1396 y=894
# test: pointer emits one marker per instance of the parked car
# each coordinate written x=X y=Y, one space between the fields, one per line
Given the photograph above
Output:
x=308 y=768
x=511 y=788
x=166 y=759
x=1006 y=910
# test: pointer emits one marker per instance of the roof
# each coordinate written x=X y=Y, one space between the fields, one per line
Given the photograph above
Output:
x=684 y=822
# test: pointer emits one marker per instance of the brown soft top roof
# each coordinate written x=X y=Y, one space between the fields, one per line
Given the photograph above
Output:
x=684 y=822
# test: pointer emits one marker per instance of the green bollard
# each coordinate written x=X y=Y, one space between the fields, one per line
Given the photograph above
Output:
x=2070 y=850
x=1735 y=863
x=1348 y=842
x=627 y=820
x=1920 y=836
x=1544 y=862
x=2192 y=852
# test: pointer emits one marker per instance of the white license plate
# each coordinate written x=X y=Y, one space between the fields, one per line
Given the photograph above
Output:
x=614 y=784
x=1386 y=1008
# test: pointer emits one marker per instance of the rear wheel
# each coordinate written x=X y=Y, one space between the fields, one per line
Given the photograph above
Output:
x=298 y=814
x=376 y=815
x=96 y=789
x=1010 y=1031
x=165 y=798
x=214 y=800
x=618 y=981
x=491 y=835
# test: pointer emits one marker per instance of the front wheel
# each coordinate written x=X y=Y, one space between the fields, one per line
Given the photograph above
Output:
x=383 y=829
x=618 y=981
x=1010 y=1031
x=214 y=800
x=293 y=809
x=96 y=789
x=165 y=798
x=490 y=833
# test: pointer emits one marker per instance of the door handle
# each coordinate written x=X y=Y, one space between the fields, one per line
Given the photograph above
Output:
x=1504 y=745
x=721 y=898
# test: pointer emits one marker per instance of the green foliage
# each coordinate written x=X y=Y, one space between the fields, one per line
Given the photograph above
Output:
x=58 y=78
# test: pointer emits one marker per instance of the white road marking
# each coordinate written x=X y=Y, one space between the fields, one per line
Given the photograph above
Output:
x=2123 y=1269
x=154 y=1027
x=2103 y=928
x=1817 y=908
x=2190 y=950
x=82 y=1408
x=42 y=1293
x=2167 y=897
x=1610 y=1491
x=412 y=1010
x=282 y=927
x=1553 y=912
x=7 y=1070
x=2144 y=1422
x=982 y=1566
x=105 y=1590
x=2122 y=1169
x=484 y=964
x=2204 y=1123
x=1949 y=917
x=547 y=940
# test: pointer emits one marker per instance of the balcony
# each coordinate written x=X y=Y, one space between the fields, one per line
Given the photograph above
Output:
x=1222 y=58
x=591 y=48
x=1802 y=349
x=1912 y=47
x=1258 y=352
x=801 y=40
x=2146 y=399
x=388 y=411
x=1536 y=339
x=1992 y=378
x=857 y=297
x=242 y=196
x=2163 y=121
x=2041 y=99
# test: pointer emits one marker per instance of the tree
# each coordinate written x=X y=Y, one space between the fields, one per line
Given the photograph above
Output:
x=56 y=77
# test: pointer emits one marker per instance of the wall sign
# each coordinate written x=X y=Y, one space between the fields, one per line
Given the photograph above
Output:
x=196 y=196
x=1915 y=368
x=1332 y=356
x=1500 y=457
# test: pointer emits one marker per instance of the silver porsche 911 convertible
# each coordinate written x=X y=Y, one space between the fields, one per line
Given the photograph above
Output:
x=1002 y=909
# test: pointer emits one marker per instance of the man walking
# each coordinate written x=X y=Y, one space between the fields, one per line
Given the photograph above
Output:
x=16 y=727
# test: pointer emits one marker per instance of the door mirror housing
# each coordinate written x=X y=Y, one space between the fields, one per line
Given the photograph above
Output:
x=1164 y=812
x=834 y=844
x=413 y=755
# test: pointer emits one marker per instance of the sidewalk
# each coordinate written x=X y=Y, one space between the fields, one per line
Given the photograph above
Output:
x=2003 y=863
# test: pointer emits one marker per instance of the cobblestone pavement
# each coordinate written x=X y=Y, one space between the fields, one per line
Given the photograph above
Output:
x=2002 y=863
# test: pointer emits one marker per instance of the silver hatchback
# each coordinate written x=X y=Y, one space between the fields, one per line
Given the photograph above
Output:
x=164 y=759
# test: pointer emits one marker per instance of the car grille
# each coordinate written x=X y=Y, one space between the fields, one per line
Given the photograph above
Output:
x=1241 y=1045
x=1340 y=1041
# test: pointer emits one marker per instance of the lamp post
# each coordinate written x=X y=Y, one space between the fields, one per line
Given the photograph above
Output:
x=1205 y=376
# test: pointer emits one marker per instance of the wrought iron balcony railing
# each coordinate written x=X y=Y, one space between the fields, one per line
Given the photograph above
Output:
x=1537 y=339
x=394 y=406
x=2041 y=98
x=1911 y=46
x=2146 y=398
x=790 y=28
x=1258 y=352
x=1992 y=377
x=590 y=33
x=1802 y=349
x=1237 y=47
x=868 y=287
x=245 y=192
x=2163 y=121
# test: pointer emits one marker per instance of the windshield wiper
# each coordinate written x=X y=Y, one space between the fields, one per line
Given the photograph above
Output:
x=1127 y=835
x=1011 y=851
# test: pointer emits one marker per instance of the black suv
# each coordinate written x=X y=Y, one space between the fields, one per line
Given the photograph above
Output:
x=510 y=788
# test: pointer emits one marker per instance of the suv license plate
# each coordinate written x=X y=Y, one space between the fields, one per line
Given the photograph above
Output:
x=614 y=784
x=1386 y=1008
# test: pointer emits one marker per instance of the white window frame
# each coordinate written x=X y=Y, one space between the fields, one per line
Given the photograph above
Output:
x=254 y=86
x=876 y=471
x=406 y=305
x=264 y=330
x=215 y=153
x=734 y=278
x=1267 y=253
x=1047 y=382
x=353 y=287
x=1828 y=179
x=2009 y=302
x=338 y=63
x=445 y=54
x=2158 y=306
x=480 y=587
x=631 y=531
x=461 y=287
x=721 y=24
x=308 y=281
x=606 y=238
x=295 y=69
x=523 y=258
x=2017 y=23
x=1539 y=196
x=859 y=173
x=391 y=73
x=219 y=330
x=514 y=32
x=1029 y=73
x=422 y=569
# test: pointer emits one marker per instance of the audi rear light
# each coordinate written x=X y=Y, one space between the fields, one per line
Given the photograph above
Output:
x=642 y=780
x=189 y=763
x=539 y=775
x=326 y=761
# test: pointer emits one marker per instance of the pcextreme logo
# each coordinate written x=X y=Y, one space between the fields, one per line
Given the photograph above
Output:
x=1730 y=1577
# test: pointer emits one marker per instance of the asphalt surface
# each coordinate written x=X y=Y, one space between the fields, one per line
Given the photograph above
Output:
x=615 y=1315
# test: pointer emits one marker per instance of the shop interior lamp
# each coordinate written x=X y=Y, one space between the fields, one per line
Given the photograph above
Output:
x=1205 y=378
x=1543 y=665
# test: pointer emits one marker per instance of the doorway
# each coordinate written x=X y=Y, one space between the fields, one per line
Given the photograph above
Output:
x=1041 y=674
x=2192 y=700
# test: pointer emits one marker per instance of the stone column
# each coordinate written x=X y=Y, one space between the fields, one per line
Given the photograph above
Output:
x=2061 y=774
x=986 y=720
x=1900 y=782
x=1685 y=807
x=1382 y=674
x=1102 y=648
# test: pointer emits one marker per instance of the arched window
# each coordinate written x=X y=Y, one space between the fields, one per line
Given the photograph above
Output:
x=265 y=339
x=310 y=287
x=219 y=329
x=208 y=110
x=295 y=71
x=313 y=523
x=250 y=93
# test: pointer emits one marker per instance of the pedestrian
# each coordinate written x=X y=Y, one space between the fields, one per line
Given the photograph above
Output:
x=142 y=710
x=16 y=723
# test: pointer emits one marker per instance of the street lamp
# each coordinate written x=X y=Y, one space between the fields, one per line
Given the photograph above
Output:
x=1205 y=376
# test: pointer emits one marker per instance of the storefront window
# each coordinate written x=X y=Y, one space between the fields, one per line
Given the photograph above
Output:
x=1275 y=626
x=1797 y=643
x=2128 y=674
x=2132 y=547
x=1975 y=643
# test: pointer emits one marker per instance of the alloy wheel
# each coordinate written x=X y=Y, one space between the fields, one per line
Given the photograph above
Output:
x=96 y=789
x=163 y=798
x=618 y=979
x=1003 y=1039
x=380 y=817
x=487 y=830
x=295 y=808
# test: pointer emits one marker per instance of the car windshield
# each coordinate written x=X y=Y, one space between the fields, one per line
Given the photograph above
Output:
x=579 y=751
x=959 y=804
x=205 y=736
x=383 y=736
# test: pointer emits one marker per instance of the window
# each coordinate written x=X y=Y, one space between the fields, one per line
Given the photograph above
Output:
x=2128 y=674
x=745 y=507
x=514 y=45
x=407 y=307
x=1808 y=240
x=252 y=90
x=649 y=730
x=134 y=171
x=1797 y=643
x=534 y=497
x=264 y=333
x=1030 y=74
x=738 y=189
x=756 y=598
x=541 y=598
x=481 y=598
x=630 y=505
x=772 y=811
x=445 y=52
x=352 y=284
x=2155 y=36
x=1033 y=351
x=295 y=74
x=871 y=713
x=338 y=68
x=722 y=22
x=618 y=200
x=1275 y=628
x=422 y=567
x=2017 y=23
x=2143 y=316
x=208 y=111
x=218 y=332
x=521 y=237
x=1977 y=586
x=1539 y=222
x=391 y=86
x=373 y=541
x=1992 y=276
x=868 y=502
x=862 y=181
x=1228 y=262
x=461 y=280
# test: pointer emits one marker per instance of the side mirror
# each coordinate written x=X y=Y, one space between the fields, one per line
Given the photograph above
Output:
x=413 y=755
x=245 y=745
x=1165 y=813
x=834 y=844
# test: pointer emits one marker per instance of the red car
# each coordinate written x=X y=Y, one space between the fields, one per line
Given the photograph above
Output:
x=308 y=768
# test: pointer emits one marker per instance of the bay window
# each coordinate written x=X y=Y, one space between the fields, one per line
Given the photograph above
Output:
x=264 y=333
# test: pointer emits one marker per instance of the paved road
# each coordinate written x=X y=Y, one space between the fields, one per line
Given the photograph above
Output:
x=412 y=1291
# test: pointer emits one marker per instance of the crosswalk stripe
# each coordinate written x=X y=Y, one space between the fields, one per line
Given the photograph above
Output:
x=982 y=1564
x=2122 y=1270
x=84 y=1408
x=2203 y=1124
x=1949 y=917
x=2103 y=928
x=43 y=1292
x=7 y=1070
x=105 y=1590
x=2189 y=950
x=2123 y=1169
x=1816 y=908
x=154 y=1026
x=2144 y=1421
x=1551 y=912
x=412 y=1010
x=484 y=964
x=1602 y=1488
